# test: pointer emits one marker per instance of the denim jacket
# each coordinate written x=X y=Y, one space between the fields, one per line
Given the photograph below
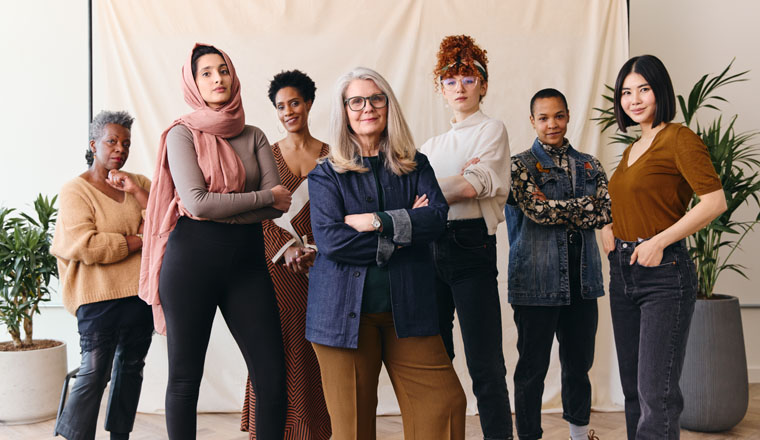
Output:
x=336 y=281
x=538 y=266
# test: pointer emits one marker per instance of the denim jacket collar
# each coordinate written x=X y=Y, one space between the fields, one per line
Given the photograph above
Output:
x=545 y=159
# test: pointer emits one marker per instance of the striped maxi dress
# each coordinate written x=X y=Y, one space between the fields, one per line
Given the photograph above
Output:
x=306 y=416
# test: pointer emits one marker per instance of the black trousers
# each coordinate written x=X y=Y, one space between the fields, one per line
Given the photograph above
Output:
x=209 y=265
x=465 y=261
x=117 y=355
x=575 y=327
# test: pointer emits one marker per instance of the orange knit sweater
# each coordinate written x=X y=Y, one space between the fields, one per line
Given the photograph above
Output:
x=91 y=246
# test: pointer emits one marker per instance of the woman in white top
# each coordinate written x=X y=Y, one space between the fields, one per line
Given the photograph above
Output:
x=472 y=164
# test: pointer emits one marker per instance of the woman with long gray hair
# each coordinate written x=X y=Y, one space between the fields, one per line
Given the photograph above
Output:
x=375 y=208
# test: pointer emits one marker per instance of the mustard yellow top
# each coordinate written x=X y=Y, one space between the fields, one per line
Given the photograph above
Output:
x=654 y=192
x=91 y=246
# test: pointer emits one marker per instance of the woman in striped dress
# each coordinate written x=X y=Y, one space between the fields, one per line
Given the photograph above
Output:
x=290 y=253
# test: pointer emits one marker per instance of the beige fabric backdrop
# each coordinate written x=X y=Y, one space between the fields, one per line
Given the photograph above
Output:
x=575 y=46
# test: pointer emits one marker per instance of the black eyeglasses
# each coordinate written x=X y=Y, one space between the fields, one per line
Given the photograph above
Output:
x=357 y=103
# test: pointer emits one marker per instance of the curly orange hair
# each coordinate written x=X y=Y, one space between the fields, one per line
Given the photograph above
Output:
x=457 y=55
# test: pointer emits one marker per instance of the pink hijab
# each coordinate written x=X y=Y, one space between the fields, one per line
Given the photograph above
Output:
x=219 y=163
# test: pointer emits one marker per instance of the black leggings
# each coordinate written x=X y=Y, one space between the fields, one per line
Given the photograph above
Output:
x=206 y=265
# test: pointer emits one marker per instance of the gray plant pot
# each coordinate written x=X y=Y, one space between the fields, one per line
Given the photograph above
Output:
x=714 y=380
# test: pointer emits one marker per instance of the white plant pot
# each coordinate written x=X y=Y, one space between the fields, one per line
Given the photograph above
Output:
x=30 y=384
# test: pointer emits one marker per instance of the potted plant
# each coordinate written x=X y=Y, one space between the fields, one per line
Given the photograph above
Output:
x=714 y=379
x=33 y=370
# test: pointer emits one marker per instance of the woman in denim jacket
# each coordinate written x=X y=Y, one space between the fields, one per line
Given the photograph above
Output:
x=375 y=208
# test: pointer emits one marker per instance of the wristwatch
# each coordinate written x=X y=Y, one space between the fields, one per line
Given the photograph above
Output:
x=376 y=223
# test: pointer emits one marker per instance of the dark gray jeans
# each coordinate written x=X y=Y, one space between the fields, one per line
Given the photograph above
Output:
x=118 y=356
x=651 y=312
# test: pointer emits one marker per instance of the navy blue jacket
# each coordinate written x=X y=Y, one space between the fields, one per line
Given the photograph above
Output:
x=538 y=266
x=337 y=279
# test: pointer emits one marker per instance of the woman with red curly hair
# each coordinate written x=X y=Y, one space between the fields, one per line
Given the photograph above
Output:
x=472 y=163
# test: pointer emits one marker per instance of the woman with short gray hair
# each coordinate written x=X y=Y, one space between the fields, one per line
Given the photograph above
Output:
x=98 y=243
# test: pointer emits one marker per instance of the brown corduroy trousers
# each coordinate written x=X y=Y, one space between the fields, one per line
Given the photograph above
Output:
x=428 y=390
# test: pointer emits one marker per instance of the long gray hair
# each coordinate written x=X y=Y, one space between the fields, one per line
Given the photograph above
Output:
x=396 y=141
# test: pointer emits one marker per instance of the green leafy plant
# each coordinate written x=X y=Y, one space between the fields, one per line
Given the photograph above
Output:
x=26 y=266
x=735 y=159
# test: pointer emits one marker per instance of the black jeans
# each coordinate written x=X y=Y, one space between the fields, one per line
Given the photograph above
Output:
x=209 y=265
x=118 y=356
x=465 y=259
x=651 y=312
x=575 y=326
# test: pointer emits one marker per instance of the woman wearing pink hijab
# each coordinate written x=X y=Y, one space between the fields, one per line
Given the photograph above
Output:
x=215 y=181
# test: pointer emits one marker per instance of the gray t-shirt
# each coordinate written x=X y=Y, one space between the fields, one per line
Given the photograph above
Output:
x=250 y=206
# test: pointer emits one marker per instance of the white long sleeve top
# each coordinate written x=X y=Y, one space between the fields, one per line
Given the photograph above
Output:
x=485 y=138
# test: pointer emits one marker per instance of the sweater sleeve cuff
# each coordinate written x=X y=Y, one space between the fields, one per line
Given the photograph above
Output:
x=123 y=250
x=472 y=179
x=402 y=226
x=268 y=197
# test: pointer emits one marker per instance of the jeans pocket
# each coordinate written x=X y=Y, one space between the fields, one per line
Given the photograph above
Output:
x=667 y=264
x=663 y=280
x=469 y=240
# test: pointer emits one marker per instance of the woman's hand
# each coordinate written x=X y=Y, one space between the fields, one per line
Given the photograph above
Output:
x=122 y=181
x=281 y=198
x=134 y=243
x=539 y=195
x=420 y=201
x=648 y=253
x=608 y=239
x=360 y=222
x=472 y=161
x=299 y=259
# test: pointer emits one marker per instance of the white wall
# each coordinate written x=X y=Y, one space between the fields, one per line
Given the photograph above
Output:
x=692 y=38
x=43 y=117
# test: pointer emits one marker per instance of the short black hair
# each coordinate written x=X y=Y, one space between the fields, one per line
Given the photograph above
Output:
x=98 y=126
x=547 y=93
x=292 y=78
x=656 y=75
x=198 y=52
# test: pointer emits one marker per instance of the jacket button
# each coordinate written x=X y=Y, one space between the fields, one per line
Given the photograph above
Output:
x=352 y=315
x=356 y=274
x=369 y=198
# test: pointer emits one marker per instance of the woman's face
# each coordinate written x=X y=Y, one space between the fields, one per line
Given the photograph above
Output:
x=463 y=92
x=292 y=110
x=637 y=99
x=112 y=149
x=369 y=122
x=213 y=79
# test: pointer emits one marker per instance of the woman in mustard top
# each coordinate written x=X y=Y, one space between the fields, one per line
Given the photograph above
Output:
x=653 y=283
